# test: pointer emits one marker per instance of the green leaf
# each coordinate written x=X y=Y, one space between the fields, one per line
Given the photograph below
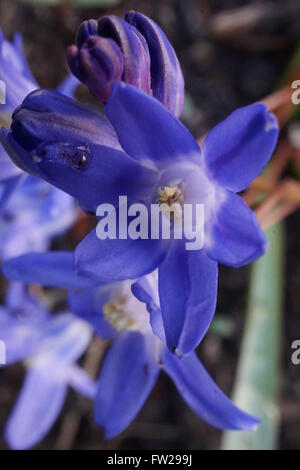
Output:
x=257 y=382
x=222 y=326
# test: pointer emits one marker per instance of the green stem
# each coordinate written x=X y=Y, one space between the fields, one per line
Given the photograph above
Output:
x=257 y=384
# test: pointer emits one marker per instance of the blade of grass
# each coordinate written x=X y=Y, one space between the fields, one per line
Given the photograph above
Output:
x=257 y=383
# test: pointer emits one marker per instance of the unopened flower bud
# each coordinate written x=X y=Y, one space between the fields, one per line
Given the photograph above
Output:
x=98 y=63
x=134 y=50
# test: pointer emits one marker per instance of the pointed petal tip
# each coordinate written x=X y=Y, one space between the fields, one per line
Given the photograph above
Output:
x=246 y=140
x=248 y=423
x=271 y=122
x=109 y=433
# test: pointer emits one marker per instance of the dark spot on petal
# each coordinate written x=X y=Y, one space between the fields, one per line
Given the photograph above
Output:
x=80 y=158
x=76 y=156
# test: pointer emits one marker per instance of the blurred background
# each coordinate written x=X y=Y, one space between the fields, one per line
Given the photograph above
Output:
x=233 y=52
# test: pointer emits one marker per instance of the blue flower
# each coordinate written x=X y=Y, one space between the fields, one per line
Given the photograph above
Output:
x=78 y=152
x=35 y=213
x=136 y=355
x=15 y=72
x=134 y=50
x=18 y=78
x=49 y=347
x=19 y=81
x=32 y=212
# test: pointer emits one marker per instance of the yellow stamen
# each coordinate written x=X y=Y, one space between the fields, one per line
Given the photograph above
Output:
x=170 y=195
x=170 y=199
x=116 y=315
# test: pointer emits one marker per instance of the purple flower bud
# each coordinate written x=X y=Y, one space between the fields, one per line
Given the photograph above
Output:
x=166 y=76
x=134 y=50
x=86 y=29
x=98 y=63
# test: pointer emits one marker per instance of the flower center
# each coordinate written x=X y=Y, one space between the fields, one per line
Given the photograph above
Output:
x=170 y=195
x=170 y=198
x=124 y=312
x=117 y=316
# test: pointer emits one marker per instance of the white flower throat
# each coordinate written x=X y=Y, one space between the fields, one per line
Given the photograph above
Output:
x=125 y=312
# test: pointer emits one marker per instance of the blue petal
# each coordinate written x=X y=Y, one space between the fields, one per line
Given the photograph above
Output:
x=55 y=214
x=237 y=149
x=147 y=130
x=94 y=174
x=23 y=322
x=134 y=48
x=116 y=260
x=144 y=292
x=88 y=304
x=128 y=373
x=54 y=269
x=234 y=236
x=66 y=339
x=68 y=86
x=86 y=29
x=98 y=63
x=188 y=292
x=46 y=115
x=38 y=406
x=166 y=76
x=49 y=211
x=204 y=396
x=16 y=152
x=34 y=214
x=7 y=168
x=10 y=177
x=21 y=57
x=43 y=394
x=24 y=305
x=15 y=296
x=7 y=188
x=20 y=335
x=15 y=73
x=82 y=382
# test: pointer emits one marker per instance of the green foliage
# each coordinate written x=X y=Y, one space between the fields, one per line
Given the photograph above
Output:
x=257 y=383
x=222 y=326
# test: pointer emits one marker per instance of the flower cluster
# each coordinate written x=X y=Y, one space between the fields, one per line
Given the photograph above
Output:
x=154 y=299
x=44 y=343
x=32 y=212
x=129 y=314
